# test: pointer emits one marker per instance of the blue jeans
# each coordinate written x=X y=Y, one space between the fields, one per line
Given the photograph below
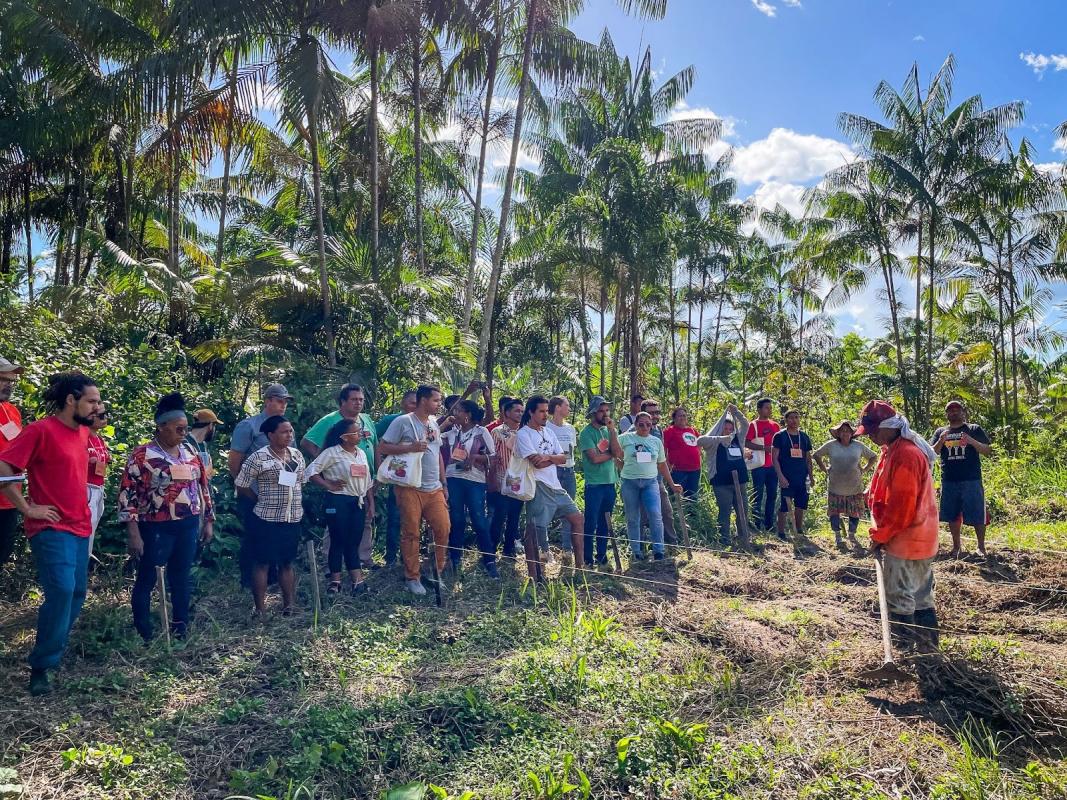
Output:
x=764 y=493
x=392 y=528
x=599 y=504
x=638 y=494
x=171 y=544
x=570 y=486
x=504 y=523
x=62 y=561
x=467 y=498
x=689 y=480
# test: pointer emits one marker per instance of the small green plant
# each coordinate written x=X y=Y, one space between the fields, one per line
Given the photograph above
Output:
x=241 y=708
x=681 y=738
x=546 y=784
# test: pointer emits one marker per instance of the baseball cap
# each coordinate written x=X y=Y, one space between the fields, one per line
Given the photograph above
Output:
x=277 y=390
x=206 y=415
x=874 y=414
x=595 y=404
x=6 y=367
x=959 y=403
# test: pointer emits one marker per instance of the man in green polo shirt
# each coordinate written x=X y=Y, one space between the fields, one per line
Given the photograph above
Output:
x=599 y=443
x=350 y=402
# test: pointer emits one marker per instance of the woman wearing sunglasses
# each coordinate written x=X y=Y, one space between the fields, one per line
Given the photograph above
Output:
x=644 y=460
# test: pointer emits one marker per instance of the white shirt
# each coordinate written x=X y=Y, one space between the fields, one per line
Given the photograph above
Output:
x=540 y=443
x=465 y=440
x=567 y=437
x=337 y=464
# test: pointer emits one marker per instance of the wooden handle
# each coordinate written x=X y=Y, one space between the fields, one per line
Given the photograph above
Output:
x=883 y=609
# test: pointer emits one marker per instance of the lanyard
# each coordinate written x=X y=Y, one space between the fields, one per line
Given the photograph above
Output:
x=167 y=456
x=791 y=445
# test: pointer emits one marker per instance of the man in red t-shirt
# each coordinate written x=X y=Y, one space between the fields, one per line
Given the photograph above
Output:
x=55 y=452
x=764 y=478
x=10 y=427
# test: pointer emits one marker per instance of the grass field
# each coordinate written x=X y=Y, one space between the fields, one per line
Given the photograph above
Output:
x=728 y=676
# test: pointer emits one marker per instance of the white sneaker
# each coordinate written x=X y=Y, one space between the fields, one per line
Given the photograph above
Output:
x=415 y=587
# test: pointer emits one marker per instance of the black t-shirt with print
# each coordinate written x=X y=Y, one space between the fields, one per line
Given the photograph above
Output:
x=795 y=469
x=960 y=462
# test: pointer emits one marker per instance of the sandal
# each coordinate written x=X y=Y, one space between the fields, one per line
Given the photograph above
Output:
x=334 y=587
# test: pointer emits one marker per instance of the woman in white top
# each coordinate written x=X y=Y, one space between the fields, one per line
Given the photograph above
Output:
x=470 y=448
x=341 y=469
x=850 y=460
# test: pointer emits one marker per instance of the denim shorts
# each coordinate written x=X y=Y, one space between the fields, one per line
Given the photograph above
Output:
x=547 y=504
x=963 y=497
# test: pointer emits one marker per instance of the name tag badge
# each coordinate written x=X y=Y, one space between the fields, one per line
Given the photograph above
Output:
x=459 y=454
x=180 y=472
x=735 y=452
x=796 y=452
x=10 y=430
x=603 y=445
x=357 y=470
x=100 y=468
x=286 y=478
x=644 y=458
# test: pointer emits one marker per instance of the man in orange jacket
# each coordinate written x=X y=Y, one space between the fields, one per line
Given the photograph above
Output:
x=901 y=499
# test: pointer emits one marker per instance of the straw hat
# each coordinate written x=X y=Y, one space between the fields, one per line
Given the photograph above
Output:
x=836 y=430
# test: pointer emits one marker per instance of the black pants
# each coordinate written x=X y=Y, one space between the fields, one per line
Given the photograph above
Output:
x=245 y=560
x=9 y=525
x=345 y=518
x=764 y=494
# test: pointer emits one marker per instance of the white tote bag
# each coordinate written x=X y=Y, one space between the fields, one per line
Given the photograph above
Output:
x=519 y=479
x=405 y=470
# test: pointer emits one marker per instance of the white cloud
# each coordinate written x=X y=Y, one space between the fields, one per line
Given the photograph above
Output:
x=1061 y=145
x=1039 y=62
x=918 y=38
x=773 y=193
x=1050 y=168
x=684 y=111
x=764 y=7
x=793 y=3
x=788 y=156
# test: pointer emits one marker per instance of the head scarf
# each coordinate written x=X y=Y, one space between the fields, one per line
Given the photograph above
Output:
x=900 y=423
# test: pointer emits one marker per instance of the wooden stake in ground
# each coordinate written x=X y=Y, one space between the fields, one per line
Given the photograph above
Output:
x=434 y=571
x=313 y=568
x=161 y=584
x=742 y=512
x=614 y=544
x=685 y=525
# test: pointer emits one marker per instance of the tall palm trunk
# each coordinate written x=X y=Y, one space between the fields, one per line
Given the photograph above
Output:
x=674 y=334
x=416 y=91
x=603 y=344
x=715 y=339
x=930 y=321
x=918 y=325
x=1012 y=306
x=700 y=332
x=635 y=336
x=28 y=222
x=320 y=235
x=891 y=295
x=476 y=220
x=583 y=330
x=999 y=388
x=509 y=182
x=227 y=153
x=374 y=203
x=689 y=336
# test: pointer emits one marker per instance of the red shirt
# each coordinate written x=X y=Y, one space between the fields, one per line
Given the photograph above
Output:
x=901 y=499
x=57 y=458
x=8 y=415
x=765 y=428
x=494 y=424
x=99 y=458
x=681 y=446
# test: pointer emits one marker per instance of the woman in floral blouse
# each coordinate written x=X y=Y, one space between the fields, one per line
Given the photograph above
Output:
x=163 y=493
x=277 y=472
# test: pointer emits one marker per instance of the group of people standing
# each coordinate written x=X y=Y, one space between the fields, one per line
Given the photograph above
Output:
x=440 y=466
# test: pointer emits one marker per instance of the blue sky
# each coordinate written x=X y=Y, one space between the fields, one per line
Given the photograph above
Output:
x=780 y=71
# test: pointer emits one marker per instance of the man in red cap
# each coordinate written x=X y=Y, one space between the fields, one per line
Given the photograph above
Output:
x=960 y=444
x=904 y=534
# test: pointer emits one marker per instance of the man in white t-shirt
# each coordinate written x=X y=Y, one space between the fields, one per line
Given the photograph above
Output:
x=559 y=408
x=538 y=445
x=418 y=432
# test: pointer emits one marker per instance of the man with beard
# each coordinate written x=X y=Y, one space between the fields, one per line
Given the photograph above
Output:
x=55 y=450
x=10 y=427
x=200 y=433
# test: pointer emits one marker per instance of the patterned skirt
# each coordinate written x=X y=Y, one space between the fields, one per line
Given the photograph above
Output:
x=846 y=505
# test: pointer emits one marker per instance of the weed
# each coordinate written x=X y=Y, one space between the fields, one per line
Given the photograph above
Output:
x=547 y=784
x=241 y=708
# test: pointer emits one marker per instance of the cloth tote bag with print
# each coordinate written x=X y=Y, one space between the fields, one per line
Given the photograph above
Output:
x=402 y=470
x=519 y=479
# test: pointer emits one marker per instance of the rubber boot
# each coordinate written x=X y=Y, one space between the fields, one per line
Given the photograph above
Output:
x=901 y=630
x=39 y=682
x=835 y=524
x=928 y=638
